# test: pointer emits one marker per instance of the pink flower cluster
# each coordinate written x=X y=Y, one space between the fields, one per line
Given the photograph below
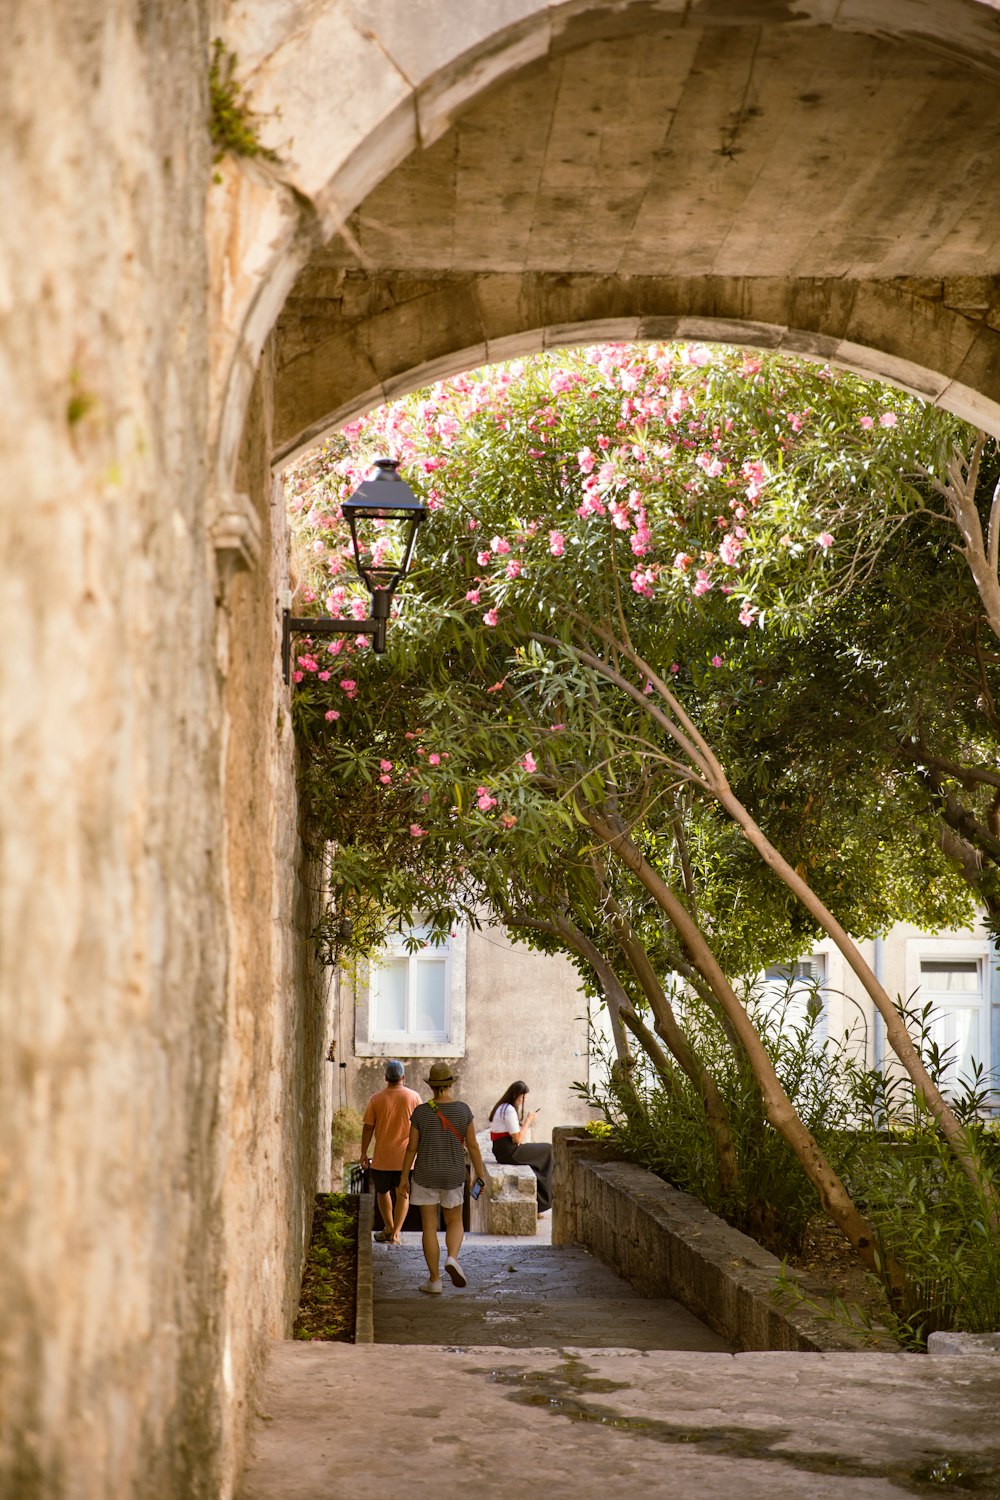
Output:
x=643 y=581
x=658 y=464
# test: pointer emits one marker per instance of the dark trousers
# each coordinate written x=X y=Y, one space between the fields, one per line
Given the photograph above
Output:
x=537 y=1157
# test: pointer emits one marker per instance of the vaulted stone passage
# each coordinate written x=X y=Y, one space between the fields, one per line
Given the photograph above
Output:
x=705 y=150
x=826 y=192
x=451 y=182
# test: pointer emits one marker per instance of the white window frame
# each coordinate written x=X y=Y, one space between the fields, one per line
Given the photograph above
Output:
x=408 y=1044
x=954 y=950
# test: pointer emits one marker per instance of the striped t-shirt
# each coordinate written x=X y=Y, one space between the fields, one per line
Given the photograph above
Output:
x=440 y=1155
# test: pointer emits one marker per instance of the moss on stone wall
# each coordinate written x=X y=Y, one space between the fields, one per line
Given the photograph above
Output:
x=232 y=123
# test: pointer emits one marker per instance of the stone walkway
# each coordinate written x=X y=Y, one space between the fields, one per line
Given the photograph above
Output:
x=522 y=1293
x=555 y=1377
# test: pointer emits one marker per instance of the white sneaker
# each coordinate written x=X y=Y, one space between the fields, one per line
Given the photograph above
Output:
x=432 y=1288
x=455 y=1271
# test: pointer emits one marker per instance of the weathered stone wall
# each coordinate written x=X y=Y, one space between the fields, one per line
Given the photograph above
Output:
x=114 y=944
x=275 y=1081
x=161 y=1045
x=667 y=1244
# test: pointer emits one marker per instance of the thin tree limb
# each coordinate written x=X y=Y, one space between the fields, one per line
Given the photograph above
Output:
x=779 y=1109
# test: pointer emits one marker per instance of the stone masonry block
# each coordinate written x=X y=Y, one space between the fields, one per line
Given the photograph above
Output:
x=507 y=1204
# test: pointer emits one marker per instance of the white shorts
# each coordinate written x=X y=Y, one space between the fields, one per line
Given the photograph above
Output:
x=446 y=1197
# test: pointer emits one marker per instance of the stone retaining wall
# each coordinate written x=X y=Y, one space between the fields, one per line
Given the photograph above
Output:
x=667 y=1244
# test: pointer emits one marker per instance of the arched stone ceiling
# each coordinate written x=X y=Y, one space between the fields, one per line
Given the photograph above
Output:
x=812 y=188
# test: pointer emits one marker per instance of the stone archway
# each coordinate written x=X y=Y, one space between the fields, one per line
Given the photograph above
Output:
x=876 y=330
x=454 y=180
x=454 y=186
x=439 y=211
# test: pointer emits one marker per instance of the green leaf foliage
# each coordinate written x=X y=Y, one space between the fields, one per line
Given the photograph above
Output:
x=762 y=533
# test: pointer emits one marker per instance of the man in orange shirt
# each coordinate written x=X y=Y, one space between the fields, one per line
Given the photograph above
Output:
x=387 y=1118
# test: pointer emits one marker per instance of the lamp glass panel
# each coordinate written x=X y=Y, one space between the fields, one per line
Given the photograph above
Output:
x=383 y=546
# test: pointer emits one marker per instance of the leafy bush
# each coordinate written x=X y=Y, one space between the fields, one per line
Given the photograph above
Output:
x=326 y=1306
x=345 y=1131
x=665 y=1130
x=927 y=1214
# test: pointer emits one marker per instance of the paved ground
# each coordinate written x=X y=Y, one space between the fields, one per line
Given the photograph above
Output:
x=464 y=1398
x=525 y=1294
x=371 y=1422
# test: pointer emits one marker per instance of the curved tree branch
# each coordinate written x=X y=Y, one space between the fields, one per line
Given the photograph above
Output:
x=833 y=1194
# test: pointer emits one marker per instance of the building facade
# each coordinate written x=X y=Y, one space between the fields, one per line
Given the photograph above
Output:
x=493 y=1008
x=953 y=972
x=497 y=1011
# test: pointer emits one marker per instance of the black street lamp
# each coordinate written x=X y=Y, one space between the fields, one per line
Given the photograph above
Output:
x=383 y=514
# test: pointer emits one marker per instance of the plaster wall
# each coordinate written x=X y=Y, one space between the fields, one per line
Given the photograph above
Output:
x=525 y=1017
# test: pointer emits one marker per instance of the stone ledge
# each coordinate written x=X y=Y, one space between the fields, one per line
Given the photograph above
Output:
x=508 y=1204
x=364 y=1320
x=948 y=1345
x=667 y=1244
x=236 y=533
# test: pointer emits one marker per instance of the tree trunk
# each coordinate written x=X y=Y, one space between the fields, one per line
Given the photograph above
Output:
x=705 y=771
x=895 y=1027
x=647 y=1041
x=716 y=1115
x=833 y=1194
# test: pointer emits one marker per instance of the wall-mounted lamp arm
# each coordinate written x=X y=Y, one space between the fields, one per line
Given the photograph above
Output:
x=375 y=626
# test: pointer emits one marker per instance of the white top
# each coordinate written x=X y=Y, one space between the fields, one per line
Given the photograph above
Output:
x=505 y=1121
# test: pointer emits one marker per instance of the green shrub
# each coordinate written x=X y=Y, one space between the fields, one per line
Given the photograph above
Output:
x=926 y=1213
x=232 y=123
x=666 y=1131
x=326 y=1304
x=345 y=1131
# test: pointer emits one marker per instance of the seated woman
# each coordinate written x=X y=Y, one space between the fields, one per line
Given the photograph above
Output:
x=508 y=1127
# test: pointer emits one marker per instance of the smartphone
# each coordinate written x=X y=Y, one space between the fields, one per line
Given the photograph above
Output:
x=477 y=1187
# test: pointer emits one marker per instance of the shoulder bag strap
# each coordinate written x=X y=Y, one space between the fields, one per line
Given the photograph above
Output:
x=445 y=1122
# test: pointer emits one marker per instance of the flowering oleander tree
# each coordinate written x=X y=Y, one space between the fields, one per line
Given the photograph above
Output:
x=697 y=499
x=623 y=588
